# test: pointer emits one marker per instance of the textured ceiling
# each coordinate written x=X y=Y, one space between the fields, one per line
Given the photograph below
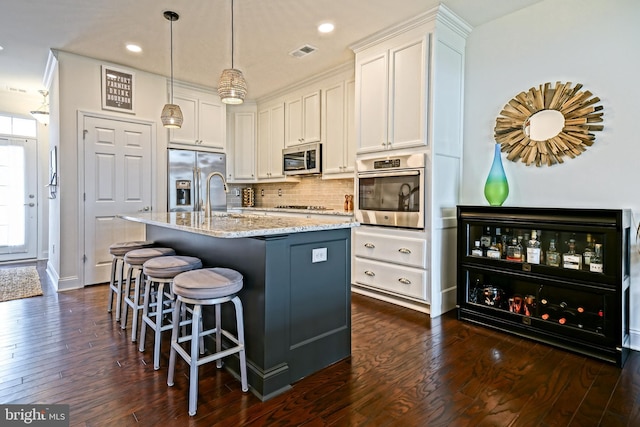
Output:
x=265 y=32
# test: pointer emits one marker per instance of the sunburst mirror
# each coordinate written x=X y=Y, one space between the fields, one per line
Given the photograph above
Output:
x=546 y=123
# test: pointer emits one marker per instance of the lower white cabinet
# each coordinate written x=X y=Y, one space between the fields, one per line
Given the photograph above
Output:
x=391 y=261
x=392 y=278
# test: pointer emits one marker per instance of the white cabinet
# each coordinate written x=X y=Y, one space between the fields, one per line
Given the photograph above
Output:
x=409 y=99
x=391 y=261
x=338 y=107
x=243 y=167
x=303 y=119
x=392 y=95
x=204 y=124
x=270 y=142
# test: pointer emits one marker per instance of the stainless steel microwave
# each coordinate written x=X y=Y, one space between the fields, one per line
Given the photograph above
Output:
x=302 y=159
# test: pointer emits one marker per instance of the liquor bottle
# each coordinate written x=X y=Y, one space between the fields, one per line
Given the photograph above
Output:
x=523 y=254
x=505 y=242
x=549 y=312
x=567 y=317
x=485 y=240
x=493 y=251
x=596 y=260
x=580 y=317
x=553 y=257
x=498 y=241
x=514 y=251
x=477 y=250
x=533 y=249
x=588 y=252
x=571 y=259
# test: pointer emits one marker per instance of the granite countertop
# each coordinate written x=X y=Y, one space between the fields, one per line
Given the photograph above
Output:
x=236 y=225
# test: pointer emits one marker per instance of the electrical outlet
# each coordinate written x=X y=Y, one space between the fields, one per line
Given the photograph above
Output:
x=279 y=191
x=319 y=255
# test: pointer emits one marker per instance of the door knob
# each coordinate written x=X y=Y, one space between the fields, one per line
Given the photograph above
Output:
x=145 y=209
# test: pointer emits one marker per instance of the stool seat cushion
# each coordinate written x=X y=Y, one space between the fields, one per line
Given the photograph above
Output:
x=167 y=267
x=207 y=283
x=139 y=256
x=121 y=248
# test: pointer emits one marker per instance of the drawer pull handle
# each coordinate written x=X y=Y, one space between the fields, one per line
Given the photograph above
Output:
x=404 y=281
x=369 y=273
x=369 y=245
x=404 y=251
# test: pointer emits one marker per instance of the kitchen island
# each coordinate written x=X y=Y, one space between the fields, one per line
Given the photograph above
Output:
x=296 y=294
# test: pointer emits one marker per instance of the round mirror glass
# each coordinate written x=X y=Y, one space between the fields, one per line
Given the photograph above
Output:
x=544 y=125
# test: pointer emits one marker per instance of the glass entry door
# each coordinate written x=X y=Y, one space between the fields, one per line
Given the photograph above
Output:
x=18 y=199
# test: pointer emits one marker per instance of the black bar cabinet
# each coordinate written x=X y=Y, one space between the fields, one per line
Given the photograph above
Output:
x=575 y=297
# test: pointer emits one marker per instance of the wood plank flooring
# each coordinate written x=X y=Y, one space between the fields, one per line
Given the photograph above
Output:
x=405 y=370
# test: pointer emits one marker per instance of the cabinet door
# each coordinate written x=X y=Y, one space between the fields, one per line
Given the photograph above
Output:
x=188 y=133
x=311 y=117
x=407 y=94
x=264 y=144
x=294 y=122
x=350 y=127
x=244 y=146
x=372 y=102
x=277 y=141
x=334 y=130
x=211 y=120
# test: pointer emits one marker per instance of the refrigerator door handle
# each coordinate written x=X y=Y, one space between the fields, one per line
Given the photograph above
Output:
x=196 y=185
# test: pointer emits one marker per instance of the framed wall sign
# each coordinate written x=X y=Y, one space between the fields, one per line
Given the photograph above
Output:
x=117 y=89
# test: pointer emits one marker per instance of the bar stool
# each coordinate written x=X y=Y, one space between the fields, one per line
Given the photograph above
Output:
x=159 y=272
x=134 y=260
x=211 y=286
x=118 y=251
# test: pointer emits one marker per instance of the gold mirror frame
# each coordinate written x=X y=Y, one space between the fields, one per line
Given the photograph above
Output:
x=577 y=107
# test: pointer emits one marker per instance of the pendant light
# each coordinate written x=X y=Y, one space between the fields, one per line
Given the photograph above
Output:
x=42 y=113
x=171 y=113
x=232 y=87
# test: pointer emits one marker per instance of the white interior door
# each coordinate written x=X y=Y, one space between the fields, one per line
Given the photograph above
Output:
x=117 y=178
x=18 y=199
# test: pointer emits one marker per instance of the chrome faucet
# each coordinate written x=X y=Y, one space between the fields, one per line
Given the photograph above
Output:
x=207 y=208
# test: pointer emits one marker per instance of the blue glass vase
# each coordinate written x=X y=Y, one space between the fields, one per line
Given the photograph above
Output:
x=496 y=189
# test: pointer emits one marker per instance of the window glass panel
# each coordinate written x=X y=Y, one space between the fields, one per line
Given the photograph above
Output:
x=25 y=127
x=5 y=125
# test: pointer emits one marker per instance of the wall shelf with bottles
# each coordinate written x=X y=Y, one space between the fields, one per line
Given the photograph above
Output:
x=558 y=276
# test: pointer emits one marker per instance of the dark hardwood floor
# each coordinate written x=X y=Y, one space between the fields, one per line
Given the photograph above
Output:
x=405 y=370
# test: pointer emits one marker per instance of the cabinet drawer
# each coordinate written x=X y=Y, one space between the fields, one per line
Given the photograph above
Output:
x=392 y=278
x=402 y=250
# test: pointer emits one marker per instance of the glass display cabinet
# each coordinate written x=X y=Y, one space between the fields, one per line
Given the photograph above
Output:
x=558 y=276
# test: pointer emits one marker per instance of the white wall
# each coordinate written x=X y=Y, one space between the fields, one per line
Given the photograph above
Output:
x=19 y=104
x=78 y=81
x=592 y=42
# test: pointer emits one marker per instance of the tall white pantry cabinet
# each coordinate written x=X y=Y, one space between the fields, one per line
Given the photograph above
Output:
x=409 y=99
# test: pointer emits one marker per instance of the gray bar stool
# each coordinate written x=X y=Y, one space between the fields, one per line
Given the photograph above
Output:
x=134 y=261
x=211 y=286
x=118 y=251
x=159 y=272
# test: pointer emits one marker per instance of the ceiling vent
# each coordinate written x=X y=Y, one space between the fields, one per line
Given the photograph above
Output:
x=303 y=51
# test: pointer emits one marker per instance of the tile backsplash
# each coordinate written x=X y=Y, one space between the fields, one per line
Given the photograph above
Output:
x=310 y=191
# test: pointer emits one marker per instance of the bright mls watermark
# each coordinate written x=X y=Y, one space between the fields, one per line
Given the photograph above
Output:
x=34 y=415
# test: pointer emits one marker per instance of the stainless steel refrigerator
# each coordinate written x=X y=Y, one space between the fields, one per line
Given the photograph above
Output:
x=188 y=171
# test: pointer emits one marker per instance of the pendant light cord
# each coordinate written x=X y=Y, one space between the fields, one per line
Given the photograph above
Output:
x=231 y=33
x=171 y=32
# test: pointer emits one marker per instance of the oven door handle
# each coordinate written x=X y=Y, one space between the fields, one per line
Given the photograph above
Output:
x=388 y=174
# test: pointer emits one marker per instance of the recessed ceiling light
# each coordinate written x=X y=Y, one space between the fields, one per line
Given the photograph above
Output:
x=326 y=27
x=1 y=48
x=134 y=48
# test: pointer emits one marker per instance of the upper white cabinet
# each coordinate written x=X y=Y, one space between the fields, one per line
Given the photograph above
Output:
x=244 y=147
x=270 y=142
x=204 y=120
x=391 y=94
x=338 y=129
x=303 y=119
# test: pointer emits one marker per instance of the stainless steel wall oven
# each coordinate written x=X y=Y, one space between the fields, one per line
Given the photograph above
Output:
x=390 y=191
